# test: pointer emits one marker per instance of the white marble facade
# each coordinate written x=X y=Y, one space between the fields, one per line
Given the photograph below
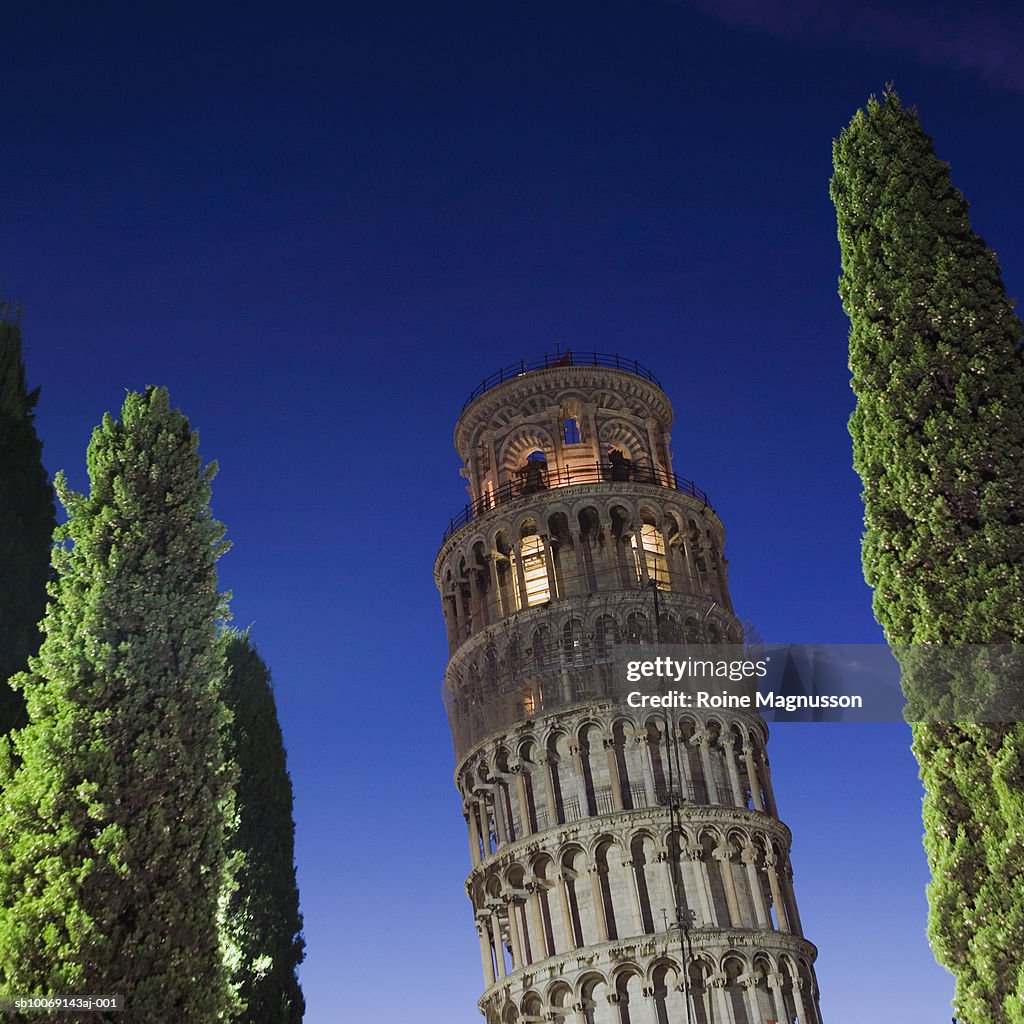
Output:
x=594 y=828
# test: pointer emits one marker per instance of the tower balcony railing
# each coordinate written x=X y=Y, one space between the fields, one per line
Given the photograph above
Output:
x=571 y=357
x=536 y=478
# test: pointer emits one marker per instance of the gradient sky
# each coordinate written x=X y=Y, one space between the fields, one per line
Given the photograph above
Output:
x=321 y=226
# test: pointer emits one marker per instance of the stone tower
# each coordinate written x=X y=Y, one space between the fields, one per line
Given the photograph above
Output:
x=628 y=866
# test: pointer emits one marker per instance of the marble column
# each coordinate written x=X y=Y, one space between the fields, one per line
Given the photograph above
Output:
x=484 y=931
x=700 y=877
x=634 y=892
x=718 y=983
x=729 y=750
x=613 y=772
x=723 y=854
x=518 y=957
x=474 y=834
x=749 y=984
x=597 y=895
x=526 y=826
x=499 y=948
x=780 y=904
x=563 y=898
x=755 y=785
x=749 y=857
x=703 y=738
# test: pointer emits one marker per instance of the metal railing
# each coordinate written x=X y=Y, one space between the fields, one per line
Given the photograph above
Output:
x=536 y=479
x=571 y=357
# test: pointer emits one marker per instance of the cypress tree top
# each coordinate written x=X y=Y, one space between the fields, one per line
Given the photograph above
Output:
x=113 y=825
x=937 y=368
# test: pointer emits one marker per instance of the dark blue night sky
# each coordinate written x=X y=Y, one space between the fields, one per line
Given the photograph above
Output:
x=321 y=225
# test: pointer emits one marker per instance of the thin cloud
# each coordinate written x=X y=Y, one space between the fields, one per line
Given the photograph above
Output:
x=987 y=43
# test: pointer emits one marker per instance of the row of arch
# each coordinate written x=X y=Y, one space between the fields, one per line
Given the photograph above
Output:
x=728 y=988
x=631 y=397
x=545 y=661
x=578 y=634
x=533 y=558
x=571 y=768
x=566 y=428
x=629 y=883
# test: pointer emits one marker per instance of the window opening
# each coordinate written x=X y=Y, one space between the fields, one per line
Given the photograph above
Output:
x=535 y=572
x=535 y=472
x=653 y=545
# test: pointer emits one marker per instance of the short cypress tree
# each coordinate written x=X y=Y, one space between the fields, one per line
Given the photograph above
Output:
x=262 y=922
x=938 y=437
x=112 y=825
x=27 y=521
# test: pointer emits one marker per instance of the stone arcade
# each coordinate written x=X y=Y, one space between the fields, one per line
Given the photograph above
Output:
x=628 y=864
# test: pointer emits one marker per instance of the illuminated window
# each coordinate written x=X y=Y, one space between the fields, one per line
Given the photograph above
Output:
x=652 y=545
x=535 y=572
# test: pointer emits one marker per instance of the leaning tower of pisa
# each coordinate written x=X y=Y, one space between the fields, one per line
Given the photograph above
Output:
x=627 y=866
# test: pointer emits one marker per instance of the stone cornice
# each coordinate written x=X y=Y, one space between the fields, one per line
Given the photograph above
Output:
x=643 y=950
x=515 y=732
x=539 y=502
x=657 y=819
x=547 y=383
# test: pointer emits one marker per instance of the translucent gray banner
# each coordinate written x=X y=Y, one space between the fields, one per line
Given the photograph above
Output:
x=827 y=682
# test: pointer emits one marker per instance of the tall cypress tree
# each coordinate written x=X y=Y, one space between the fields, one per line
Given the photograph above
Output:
x=938 y=437
x=263 y=923
x=27 y=521
x=112 y=826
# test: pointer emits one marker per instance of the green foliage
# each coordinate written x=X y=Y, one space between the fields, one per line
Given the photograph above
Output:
x=112 y=825
x=27 y=521
x=262 y=921
x=938 y=439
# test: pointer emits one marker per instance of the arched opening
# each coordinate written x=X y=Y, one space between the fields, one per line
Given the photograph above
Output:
x=620 y=466
x=629 y=990
x=531 y=569
x=606 y=635
x=560 y=1001
x=638 y=629
x=558 y=748
x=665 y=979
x=543 y=882
x=643 y=854
x=573 y=642
x=579 y=897
x=650 y=557
x=700 y=992
x=508 y=589
x=534 y=473
x=528 y=766
x=733 y=968
x=596 y=1008
x=609 y=866
x=716 y=880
